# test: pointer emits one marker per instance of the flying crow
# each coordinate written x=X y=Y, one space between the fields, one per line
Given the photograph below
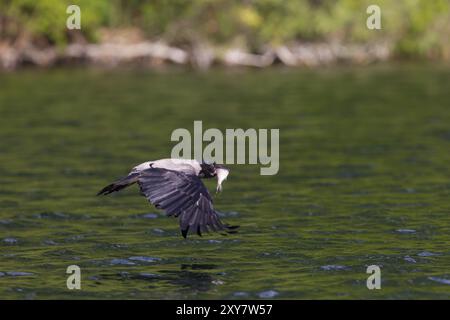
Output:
x=174 y=186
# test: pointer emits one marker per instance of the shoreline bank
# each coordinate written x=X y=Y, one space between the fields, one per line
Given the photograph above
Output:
x=150 y=54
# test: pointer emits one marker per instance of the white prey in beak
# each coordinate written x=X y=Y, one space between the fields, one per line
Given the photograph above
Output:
x=222 y=175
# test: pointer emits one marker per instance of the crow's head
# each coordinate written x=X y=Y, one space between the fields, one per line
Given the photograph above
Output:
x=211 y=170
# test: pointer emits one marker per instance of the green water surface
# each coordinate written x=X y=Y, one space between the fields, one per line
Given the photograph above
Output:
x=364 y=180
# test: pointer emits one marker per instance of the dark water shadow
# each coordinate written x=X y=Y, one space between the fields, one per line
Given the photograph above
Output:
x=188 y=278
x=198 y=266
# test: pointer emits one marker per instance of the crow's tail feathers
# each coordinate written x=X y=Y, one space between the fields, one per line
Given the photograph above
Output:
x=119 y=184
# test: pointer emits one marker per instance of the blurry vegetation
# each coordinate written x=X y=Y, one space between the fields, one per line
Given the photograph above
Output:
x=415 y=27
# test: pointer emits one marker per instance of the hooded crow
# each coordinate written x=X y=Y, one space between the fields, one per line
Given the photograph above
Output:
x=174 y=186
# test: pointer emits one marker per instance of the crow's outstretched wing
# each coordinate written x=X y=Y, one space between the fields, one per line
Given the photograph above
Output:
x=182 y=195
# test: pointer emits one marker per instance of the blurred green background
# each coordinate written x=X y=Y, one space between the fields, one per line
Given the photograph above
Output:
x=418 y=28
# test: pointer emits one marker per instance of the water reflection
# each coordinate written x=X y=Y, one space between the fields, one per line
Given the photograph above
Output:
x=188 y=278
x=198 y=266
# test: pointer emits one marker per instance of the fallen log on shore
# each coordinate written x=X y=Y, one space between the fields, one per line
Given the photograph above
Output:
x=202 y=57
